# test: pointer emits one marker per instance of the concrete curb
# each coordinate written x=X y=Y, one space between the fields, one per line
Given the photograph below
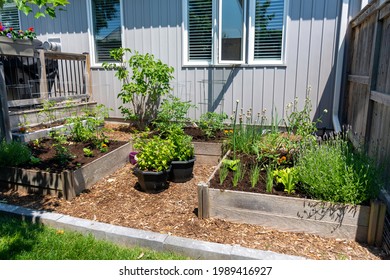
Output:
x=194 y=249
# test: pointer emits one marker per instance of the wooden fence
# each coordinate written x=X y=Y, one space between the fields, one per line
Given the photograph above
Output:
x=367 y=99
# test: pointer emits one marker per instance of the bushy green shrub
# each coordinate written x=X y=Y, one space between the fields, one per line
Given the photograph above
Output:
x=333 y=171
x=212 y=122
x=13 y=153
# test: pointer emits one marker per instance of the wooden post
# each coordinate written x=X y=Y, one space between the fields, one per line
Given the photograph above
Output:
x=381 y=224
x=43 y=76
x=373 y=222
x=88 y=76
x=203 y=198
x=5 y=127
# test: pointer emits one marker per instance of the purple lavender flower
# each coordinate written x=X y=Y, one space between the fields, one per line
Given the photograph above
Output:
x=9 y=35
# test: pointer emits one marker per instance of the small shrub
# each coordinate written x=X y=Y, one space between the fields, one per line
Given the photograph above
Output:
x=183 y=146
x=14 y=153
x=172 y=113
x=143 y=83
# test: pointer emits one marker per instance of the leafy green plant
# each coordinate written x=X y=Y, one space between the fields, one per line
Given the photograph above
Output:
x=41 y=7
x=183 y=146
x=254 y=174
x=223 y=172
x=34 y=160
x=211 y=122
x=13 y=153
x=155 y=154
x=288 y=177
x=172 y=113
x=232 y=164
x=334 y=171
x=238 y=174
x=60 y=145
x=87 y=152
x=149 y=80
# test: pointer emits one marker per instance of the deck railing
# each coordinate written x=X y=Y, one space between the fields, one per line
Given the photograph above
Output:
x=47 y=76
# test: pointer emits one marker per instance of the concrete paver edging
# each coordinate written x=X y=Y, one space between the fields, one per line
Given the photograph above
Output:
x=194 y=249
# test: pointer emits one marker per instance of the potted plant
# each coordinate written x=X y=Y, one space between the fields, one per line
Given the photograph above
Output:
x=153 y=162
x=16 y=42
x=183 y=156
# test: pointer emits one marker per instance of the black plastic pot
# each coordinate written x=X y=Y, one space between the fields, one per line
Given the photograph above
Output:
x=181 y=171
x=151 y=181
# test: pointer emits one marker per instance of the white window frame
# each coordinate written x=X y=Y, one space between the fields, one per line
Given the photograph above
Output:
x=91 y=32
x=251 y=39
x=243 y=42
x=248 y=38
x=185 y=48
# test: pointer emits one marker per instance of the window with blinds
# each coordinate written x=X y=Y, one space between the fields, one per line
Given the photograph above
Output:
x=106 y=28
x=269 y=21
x=9 y=16
x=217 y=31
x=200 y=33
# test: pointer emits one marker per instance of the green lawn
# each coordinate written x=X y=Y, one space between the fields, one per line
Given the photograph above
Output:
x=25 y=241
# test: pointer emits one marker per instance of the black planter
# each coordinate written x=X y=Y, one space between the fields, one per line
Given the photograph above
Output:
x=181 y=171
x=151 y=181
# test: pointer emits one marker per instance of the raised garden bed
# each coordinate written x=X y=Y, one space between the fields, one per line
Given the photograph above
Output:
x=69 y=182
x=360 y=223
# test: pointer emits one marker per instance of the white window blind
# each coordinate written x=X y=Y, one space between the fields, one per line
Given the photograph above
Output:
x=269 y=20
x=9 y=16
x=200 y=33
x=107 y=28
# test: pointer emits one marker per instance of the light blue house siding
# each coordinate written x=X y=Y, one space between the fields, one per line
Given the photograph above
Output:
x=155 y=26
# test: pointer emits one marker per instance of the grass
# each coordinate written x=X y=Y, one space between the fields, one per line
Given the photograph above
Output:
x=20 y=240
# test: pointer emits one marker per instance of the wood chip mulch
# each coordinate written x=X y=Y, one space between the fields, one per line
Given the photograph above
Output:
x=116 y=200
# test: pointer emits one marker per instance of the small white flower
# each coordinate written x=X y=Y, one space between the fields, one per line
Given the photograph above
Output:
x=237 y=101
x=325 y=111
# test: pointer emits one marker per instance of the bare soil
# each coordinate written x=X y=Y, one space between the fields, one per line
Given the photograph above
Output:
x=116 y=200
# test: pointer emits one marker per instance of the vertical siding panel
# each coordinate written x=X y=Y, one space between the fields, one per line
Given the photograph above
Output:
x=326 y=84
x=303 y=52
x=146 y=26
x=292 y=49
x=257 y=78
x=279 y=85
x=268 y=89
x=247 y=89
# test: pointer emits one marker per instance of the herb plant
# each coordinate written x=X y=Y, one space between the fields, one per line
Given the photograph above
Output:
x=254 y=175
x=334 y=171
x=155 y=154
x=223 y=172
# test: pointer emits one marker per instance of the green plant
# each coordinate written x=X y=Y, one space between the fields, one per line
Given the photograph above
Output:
x=150 y=79
x=34 y=160
x=60 y=145
x=13 y=153
x=212 y=122
x=269 y=182
x=23 y=126
x=87 y=152
x=254 y=174
x=288 y=177
x=238 y=174
x=334 y=171
x=48 y=112
x=48 y=6
x=183 y=147
x=232 y=164
x=155 y=154
x=172 y=112
x=223 y=172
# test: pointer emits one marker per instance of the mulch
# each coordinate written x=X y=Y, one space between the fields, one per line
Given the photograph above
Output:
x=116 y=200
